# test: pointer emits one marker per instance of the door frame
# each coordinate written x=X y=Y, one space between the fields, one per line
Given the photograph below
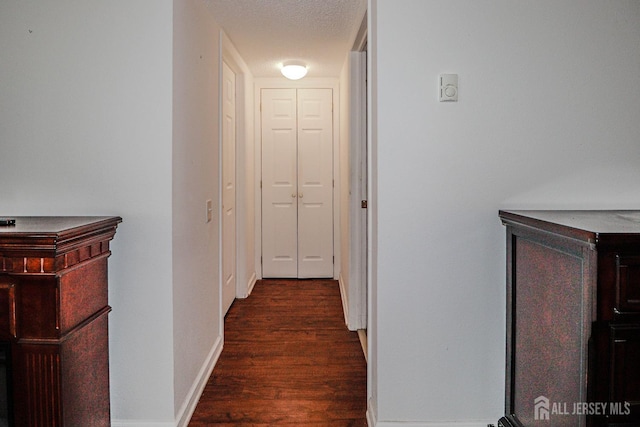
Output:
x=306 y=83
x=357 y=310
x=245 y=278
x=223 y=167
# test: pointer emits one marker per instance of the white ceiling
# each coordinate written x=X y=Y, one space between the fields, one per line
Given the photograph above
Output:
x=268 y=32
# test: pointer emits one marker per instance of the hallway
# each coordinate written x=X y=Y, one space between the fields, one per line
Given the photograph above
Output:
x=288 y=360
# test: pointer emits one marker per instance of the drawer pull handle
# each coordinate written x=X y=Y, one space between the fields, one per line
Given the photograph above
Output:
x=12 y=307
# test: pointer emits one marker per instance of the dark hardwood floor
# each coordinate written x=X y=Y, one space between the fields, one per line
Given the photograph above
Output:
x=288 y=360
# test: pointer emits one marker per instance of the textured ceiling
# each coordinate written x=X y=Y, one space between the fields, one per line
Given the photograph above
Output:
x=269 y=32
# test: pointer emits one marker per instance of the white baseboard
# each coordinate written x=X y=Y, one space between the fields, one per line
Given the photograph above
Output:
x=344 y=299
x=141 y=423
x=362 y=337
x=252 y=283
x=371 y=418
x=433 y=424
x=244 y=293
x=190 y=402
x=373 y=422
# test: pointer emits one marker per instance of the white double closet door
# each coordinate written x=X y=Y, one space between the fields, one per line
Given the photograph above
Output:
x=297 y=183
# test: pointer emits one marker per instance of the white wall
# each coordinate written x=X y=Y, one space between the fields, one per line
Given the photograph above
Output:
x=197 y=318
x=547 y=117
x=85 y=128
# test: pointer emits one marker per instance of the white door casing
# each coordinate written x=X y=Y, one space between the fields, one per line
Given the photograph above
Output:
x=228 y=187
x=357 y=298
x=297 y=183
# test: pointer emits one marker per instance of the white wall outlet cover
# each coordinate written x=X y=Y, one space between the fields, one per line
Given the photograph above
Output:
x=448 y=87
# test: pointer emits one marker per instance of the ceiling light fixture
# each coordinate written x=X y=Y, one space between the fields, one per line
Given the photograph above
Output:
x=294 y=70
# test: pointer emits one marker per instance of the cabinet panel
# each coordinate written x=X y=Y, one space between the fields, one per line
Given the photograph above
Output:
x=37 y=399
x=573 y=314
x=82 y=293
x=628 y=283
x=86 y=373
x=550 y=330
x=38 y=301
x=7 y=309
x=625 y=370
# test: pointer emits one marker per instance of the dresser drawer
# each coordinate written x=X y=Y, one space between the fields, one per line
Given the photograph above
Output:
x=628 y=283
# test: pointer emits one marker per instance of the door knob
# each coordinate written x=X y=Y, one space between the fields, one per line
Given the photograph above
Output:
x=293 y=195
x=300 y=195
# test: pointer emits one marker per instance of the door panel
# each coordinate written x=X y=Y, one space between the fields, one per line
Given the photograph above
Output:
x=315 y=183
x=279 y=183
x=297 y=187
x=228 y=188
x=297 y=183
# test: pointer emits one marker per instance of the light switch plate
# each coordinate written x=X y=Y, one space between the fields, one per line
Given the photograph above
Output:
x=448 y=87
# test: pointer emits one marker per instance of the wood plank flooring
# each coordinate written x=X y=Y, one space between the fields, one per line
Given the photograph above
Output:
x=288 y=360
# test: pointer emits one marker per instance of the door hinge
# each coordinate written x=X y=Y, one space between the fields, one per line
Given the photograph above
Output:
x=363 y=204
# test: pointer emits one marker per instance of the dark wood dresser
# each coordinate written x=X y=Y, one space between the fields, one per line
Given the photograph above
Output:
x=573 y=318
x=53 y=321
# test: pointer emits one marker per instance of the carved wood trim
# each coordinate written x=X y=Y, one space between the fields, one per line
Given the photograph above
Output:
x=68 y=335
x=52 y=265
x=42 y=389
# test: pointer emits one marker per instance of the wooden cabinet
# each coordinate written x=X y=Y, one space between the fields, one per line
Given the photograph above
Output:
x=53 y=320
x=573 y=318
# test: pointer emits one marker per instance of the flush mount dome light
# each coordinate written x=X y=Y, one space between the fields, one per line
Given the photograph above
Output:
x=294 y=70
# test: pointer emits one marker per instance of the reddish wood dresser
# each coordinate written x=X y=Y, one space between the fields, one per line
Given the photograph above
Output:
x=53 y=320
x=573 y=318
